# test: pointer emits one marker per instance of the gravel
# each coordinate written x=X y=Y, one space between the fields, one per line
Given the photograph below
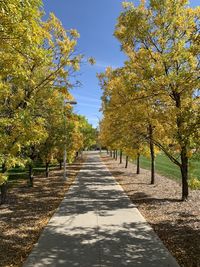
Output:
x=177 y=223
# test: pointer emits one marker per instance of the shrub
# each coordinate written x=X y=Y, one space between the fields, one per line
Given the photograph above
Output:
x=194 y=183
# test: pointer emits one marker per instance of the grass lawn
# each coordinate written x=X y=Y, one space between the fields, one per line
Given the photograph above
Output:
x=165 y=167
x=19 y=173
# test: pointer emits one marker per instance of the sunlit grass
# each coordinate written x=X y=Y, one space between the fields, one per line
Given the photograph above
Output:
x=165 y=167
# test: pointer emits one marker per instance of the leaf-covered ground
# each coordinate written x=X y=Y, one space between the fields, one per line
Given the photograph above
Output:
x=176 y=223
x=27 y=211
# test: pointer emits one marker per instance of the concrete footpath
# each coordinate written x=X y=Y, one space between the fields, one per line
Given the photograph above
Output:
x=96 y=225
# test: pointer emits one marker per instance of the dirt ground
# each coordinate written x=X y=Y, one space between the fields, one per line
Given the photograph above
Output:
x=177 y=223
x=28 y=210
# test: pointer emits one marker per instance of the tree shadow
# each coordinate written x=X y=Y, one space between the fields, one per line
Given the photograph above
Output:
x=26 y=211
x=95 y=247
x=97 y=225
x=182 y=238
x=143 y=198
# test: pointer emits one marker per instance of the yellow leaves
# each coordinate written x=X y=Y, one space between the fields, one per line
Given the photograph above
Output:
x=132 y=153
x=66 y=46
x=3 y=178
x=189 y=153
x=127 y=5
x=76 y=66
x=142 y=5
x=36 y=59
x=194 y=183
x=16 y=148
x=92 y=61
x=120 y=31
x=63 y=90
x=162 y=64
x=74 y=33
x=54 y=21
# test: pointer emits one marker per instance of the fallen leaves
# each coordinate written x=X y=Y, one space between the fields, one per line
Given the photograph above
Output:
x=27 y=211
x=177 y=223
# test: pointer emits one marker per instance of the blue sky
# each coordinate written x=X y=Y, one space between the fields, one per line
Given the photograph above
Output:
x=95 y=21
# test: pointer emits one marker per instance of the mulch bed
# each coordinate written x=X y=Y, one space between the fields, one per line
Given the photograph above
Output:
x=177 y=223
x=28 y=210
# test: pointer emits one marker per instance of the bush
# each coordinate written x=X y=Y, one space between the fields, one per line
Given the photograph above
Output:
x=194 y=183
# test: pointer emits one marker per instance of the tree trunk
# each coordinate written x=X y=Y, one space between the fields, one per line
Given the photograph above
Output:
x=126 y=165
x=151 y=146
x=184 y=174
x=152 y=163
x=120 y=161
x=111 y=153
x=116 y=155
x=47 y=169
x=4 y=169
x=183 y=144
x=107 y=152
x=30 y=173
x=138 y=163
x=60 y=163
x=3 y=187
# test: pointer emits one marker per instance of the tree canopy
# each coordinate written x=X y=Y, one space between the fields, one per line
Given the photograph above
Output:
x=38 y=58
x=154 y=98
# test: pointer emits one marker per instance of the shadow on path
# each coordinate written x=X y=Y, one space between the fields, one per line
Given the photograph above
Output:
x=96 y=225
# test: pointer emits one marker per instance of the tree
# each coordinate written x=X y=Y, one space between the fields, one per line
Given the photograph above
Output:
x=127 y=116
x=43 y=57
x=89 y=133
x=162 y=40
x=38 y=59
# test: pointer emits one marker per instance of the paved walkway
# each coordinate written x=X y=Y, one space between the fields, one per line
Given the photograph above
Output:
x=96 y=225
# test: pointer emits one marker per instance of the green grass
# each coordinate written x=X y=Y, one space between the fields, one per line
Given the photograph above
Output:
x=19 y=173
x=166 y=168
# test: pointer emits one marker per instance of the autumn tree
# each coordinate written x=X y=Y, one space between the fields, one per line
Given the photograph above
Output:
x=37 y=60
x=124 y=124
x=88 y=132
x=162 y=41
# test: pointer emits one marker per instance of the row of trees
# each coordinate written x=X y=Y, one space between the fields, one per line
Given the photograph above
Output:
x=38 y=60
x=152 y=103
